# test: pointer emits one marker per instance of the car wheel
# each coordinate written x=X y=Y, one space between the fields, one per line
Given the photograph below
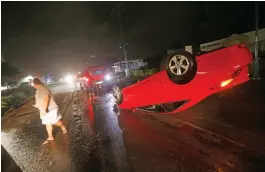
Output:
x=181 y=67
x=117 y=94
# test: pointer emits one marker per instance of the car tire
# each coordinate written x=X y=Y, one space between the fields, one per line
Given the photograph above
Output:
x=117 y=94
x=181 y=67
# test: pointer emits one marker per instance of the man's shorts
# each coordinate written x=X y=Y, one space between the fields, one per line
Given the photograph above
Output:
x=52 y=117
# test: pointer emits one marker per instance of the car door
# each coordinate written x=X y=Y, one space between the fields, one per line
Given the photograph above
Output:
x=140 y=94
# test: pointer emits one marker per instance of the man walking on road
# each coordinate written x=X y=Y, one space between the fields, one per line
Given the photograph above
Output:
x=48 y=108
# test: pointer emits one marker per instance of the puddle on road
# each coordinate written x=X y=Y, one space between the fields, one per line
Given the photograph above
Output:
x=111 y=138
x=84 y=146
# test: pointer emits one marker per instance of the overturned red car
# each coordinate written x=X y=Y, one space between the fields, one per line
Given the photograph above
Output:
x=186 y=80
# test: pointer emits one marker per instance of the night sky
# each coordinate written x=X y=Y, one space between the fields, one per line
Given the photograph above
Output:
x=40 y=37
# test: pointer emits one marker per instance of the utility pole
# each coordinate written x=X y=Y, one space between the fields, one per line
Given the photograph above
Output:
x=123 y=44
x=256 y=61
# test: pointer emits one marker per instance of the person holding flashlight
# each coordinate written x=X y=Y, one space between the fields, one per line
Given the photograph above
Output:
x=48 y=108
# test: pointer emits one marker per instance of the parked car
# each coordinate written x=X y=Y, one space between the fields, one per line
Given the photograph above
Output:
x=93 y=76
x=185 y=80
x=25 y=84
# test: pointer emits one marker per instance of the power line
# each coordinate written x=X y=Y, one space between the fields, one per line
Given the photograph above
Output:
x=103 y=29
x=123 y=44
x=111 y=15
x=105 y=34
x=256 y=61
x=117 y=10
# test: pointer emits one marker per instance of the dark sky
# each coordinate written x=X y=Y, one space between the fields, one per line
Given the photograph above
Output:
x=60 y=36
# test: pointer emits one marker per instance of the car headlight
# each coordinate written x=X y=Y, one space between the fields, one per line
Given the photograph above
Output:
x=69 y=78
x=108 y=77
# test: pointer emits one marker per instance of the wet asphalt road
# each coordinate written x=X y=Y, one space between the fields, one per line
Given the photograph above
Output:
x=225 y=132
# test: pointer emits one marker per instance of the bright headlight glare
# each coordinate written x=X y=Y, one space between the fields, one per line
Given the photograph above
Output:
x=107 y=77
x=69 y=78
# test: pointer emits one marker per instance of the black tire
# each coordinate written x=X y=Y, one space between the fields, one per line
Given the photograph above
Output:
x=181 y=76
x=119 y=97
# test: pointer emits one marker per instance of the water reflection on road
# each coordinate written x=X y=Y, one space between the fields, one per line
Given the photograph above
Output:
x=111 y=138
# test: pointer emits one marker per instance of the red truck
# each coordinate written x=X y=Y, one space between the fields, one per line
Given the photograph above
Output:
x=92 y=76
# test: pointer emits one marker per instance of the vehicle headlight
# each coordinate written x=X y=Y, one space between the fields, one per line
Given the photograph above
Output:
x=108 y=77
x=69 y=78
